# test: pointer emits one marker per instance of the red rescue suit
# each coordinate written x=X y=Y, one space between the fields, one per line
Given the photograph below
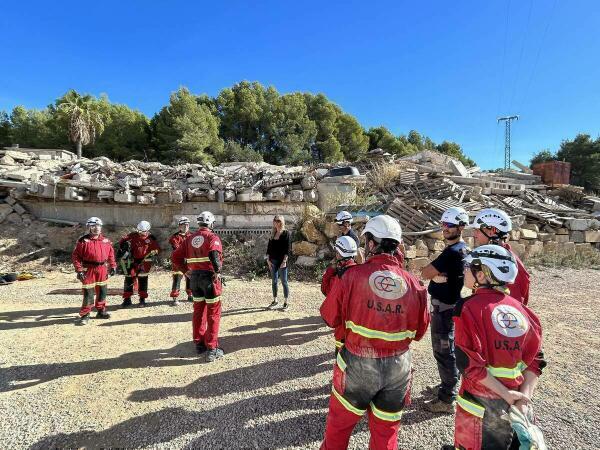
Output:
x=176 y=240
x=520 y=288
x=141 y=248
x=91 y=255
x=194 y=255
x=331 y=275
x=494 y=334
x=383 y=308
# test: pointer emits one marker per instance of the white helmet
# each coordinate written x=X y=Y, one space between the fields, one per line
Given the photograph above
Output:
x=343 y=216
x=183 y=221
x=93 y=221
x=497 y=259
x=346 y=246
x=492 y=217
x=384 y=227
x=143 y=226
x=456 y=215
x=206 y=218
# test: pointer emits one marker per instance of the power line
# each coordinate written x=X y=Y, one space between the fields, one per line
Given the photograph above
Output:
x=501 y=91
x=515 y=84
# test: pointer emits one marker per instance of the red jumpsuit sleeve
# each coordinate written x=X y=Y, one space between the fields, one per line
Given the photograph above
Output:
x=154 y=245
x=424 y=314
x=533 y=355
x=178 y=256
x=111 y=256
x=76 y=257
x=124 y=239
x=331 y=309
x=173 y=242
x=326 y=281
x=469 y=344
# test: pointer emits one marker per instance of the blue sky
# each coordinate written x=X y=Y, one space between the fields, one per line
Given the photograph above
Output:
x=446 y=69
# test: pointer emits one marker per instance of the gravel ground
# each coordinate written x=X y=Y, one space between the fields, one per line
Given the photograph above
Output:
x=135 y=381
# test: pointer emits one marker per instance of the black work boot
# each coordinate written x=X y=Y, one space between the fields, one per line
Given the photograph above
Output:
x=190 y=298
x=142 y=302
x=126 y=303
x=214 y=354
x=200 y=348
x=102 y=314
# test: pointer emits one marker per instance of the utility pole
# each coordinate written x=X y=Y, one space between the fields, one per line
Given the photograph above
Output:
x=507 y=120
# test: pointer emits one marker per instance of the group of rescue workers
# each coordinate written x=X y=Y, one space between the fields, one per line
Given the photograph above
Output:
x=487 y=346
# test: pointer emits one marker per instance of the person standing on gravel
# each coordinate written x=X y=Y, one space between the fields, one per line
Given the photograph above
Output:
x=345 y=252
x=498 y=352
x=383 y=308
x=446 y=275
x=176 y=240
x=344 y=220
x=201 y=254
x=143 y=247
x=278 y=252
x=492 y=227
x=92 y=253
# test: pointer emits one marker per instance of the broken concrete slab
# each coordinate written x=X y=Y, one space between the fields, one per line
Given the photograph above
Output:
x=76 y=194
x=19 y=209
x=124 y=197
x=306 y=261
x=592 y=236
x=528 y=234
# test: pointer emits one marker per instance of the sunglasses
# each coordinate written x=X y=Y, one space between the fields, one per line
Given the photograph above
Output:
x=449 y=225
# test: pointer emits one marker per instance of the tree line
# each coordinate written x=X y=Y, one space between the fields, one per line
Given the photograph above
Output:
x=247 y=122
x=583 y=153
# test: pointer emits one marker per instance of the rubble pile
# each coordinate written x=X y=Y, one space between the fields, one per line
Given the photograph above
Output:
x=555 y=219
x=101 y=179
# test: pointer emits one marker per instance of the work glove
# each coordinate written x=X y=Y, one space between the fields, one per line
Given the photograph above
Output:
x=112 y=272
x=530 y=436
x=81 y=276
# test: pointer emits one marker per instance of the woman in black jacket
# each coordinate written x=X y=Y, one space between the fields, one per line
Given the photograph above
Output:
x=278 y=252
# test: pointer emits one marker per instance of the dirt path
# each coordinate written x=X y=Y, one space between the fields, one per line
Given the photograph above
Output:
x=135 y=381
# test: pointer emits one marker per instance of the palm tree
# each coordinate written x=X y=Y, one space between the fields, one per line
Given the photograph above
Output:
x=83 y=117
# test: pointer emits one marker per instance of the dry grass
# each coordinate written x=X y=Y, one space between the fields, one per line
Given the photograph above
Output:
x=382 y=176
x=581 y=259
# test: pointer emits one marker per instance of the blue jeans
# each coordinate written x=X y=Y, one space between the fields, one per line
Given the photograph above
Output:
x=442 y=339
x=276 y=273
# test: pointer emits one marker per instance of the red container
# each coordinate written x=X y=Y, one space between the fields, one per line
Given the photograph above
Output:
x=553 y=172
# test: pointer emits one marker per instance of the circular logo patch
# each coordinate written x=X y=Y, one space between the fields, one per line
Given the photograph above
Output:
x=387 y=284
x=509 y=321
x=197 y=241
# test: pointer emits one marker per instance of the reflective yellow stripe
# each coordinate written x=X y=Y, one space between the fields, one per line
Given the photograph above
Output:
x=140 y=275
x=88 y=286
x=470 y=407
x=101 y=283
x=340 y=362
x=384 y=415
x=375 y=334
x=198 y=299
x=506 y=372
x=176 y=273
x=195 y=260
x=339 y=344
x=213 y=300
x=347 y=405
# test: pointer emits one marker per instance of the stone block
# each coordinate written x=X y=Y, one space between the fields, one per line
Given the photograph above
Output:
x=435 y=245
x=577 y=237
x=18 y=209
x=176 y=196
x=309 y=182
x=592 y=236
x=530 y=226
x=306 y=261
x=470 y=241
x=567 y=248
x=146 y=199
x=5 y=210
x=75 y=194
x=561 y=238
x=410 y=252
x=551 y=247
x=562 y=231
x=514 y=235
x=468 y=232
x=10 y=200
x=421 y=248
x=124 y=197
x=296 y=195
x=7 y=161
x=583 y=247
x=83 y=177
x=534 y=249
x=14 y=218
x=331 y=230
x=312 y=234
x=518 y=249
x=545 y=237
x=417 y=263
x=528 y=234
x=106 y=195
x=311 y=195
x=17 y=156
x=579 y=224
x=304 y=248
